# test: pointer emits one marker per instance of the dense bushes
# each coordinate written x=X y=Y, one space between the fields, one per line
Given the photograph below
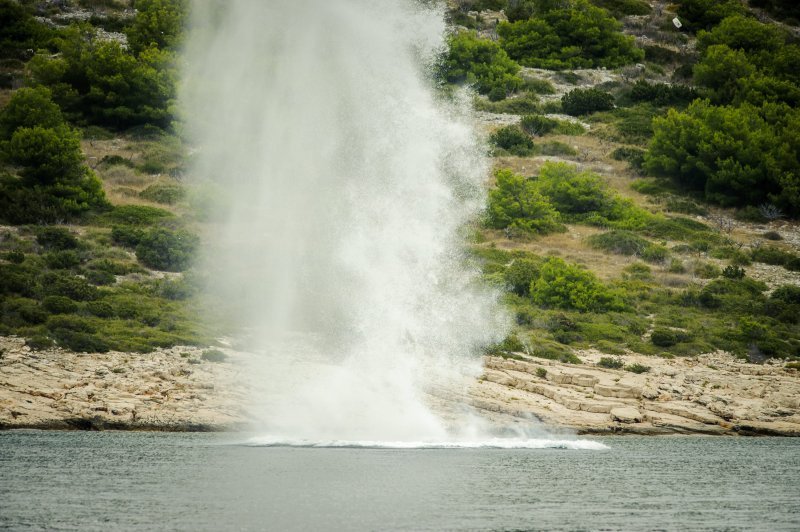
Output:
x=512 y=140
x=158 y=23
x=539 y=125
x=624 y=8
x=566 y=286
x=661 y=93
x=739 y=146
x=53 y=183
x=166 y=250
x=560 y=193
x=584 y=101
x=573 y=34
x=482 y=63
x=28 y=108
x=584 y=197
x=516 y=204
x=168 y=194
x=734 y=155
x=19 y=31
x=630 y=244
x=703 y=14
x=105 y=83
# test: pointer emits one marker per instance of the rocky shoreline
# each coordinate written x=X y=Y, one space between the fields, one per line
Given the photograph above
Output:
x=176 y=390
x=707 y=394
x=171 y=390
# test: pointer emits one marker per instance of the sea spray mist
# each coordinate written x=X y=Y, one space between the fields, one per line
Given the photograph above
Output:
x=343 y=185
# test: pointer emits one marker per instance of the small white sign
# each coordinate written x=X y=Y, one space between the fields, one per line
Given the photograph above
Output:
x=677 y=23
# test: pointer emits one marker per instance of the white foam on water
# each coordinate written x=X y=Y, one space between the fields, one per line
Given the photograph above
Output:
x=493 y=443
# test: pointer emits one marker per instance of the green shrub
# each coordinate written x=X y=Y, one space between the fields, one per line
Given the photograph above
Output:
x=703 y=14
x=127 y=236
x=582 y=196
x=516 y=204
x=520 y=105
x=19 y=31
x=610 y=363
x=80 y=342
x=59 y=305
x=116 y=160
x=541 y=373
x=787 y=293
x=101 y=309
x=619 y=242
x=14 y=257
x=520 y=274
x=706 y=270
x=566 y=286
x=567 y=35
x=624 y=8
x=661 y=93
x=729 y=154
x=21 y=312
x=741 y=296
x=70 y=323
x=684 y=206
x=585 y=101
x=112 y=267
x=733 y=272
x=177 y=289
x=634 y=124
x=640 y=271
x=537 y=125
x=513 y=140
x=167 y=250
x=482 y=63
x=539 y=86
x=556 y=148
x=53 y=180
x=17 y=280
x=553 y=351
x=39 y=343
x=637 y=368
x=165 y=155
x=65 y=284
x=163 y=193
x=776 y=257
x=158 y=23
x=137 y=215
x=655 y=253
x=62 y=260
x=22 y=202
x=56 y=238
x=28 y=108
x=510 y=344
x=661 y=55
x=100 y=81
x=667 y=337
x=676 y=266
x=634 y=156
x=100 y=277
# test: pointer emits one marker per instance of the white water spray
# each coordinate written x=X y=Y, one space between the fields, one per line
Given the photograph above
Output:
x=345 y=184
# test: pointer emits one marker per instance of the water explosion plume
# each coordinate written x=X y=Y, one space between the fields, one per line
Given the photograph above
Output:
x=343 y=184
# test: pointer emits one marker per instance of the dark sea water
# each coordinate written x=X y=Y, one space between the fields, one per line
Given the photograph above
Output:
x=146 y=481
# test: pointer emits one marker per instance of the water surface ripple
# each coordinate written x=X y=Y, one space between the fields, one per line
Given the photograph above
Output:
x=149 y=481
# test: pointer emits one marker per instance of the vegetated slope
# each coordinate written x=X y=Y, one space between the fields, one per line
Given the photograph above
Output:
x=647 y=208
x=99 y=231
x=593 y=98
